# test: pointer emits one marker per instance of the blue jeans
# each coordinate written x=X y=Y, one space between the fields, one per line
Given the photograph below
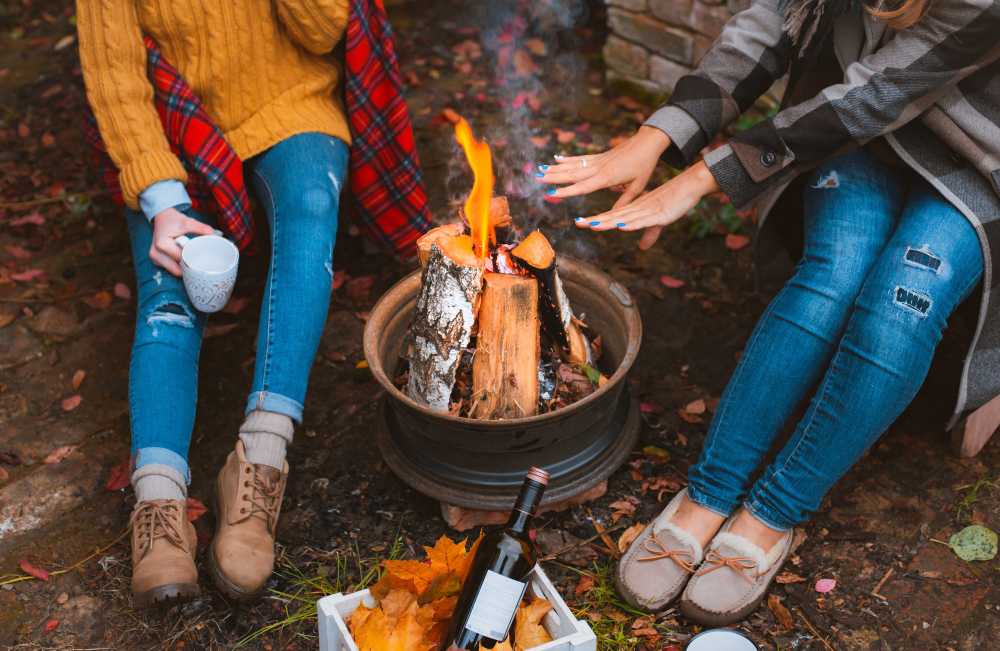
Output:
x=298 y=184
x=886 y=260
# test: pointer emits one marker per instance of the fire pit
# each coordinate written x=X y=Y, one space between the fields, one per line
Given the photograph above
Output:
x=480 y=464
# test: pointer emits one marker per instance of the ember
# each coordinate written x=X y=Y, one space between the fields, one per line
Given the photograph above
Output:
x=493 y=334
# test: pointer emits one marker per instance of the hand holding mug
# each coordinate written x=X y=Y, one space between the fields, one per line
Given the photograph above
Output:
x=208 y=267
x=168 y=225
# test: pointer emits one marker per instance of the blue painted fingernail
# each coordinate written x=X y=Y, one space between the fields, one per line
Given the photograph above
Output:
x=543 y=167
x=551 y=192
x=595 y=223
x=622 y=225
x=539 y=175
x=576 y=219
x=557 y=156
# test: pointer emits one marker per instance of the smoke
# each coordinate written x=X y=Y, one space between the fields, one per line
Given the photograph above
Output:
x=534 y=72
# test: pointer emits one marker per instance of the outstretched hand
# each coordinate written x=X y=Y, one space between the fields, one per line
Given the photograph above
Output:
x=661 y=207
x=629 y=165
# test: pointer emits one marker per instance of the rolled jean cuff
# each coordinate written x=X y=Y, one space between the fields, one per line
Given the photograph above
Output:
x=147 y=456
x=767 y=516
x=714 y=505
x=279 y=404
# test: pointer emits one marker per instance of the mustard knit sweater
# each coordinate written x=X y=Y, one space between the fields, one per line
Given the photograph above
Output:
x=262 y=69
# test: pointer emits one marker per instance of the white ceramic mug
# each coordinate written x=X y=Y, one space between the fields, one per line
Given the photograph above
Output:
x=208 y=267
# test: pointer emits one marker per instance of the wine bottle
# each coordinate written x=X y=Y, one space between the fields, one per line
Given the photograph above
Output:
x=498 y=575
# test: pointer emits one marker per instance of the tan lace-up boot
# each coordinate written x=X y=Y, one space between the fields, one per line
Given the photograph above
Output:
x=163 y=548
x=247 y=503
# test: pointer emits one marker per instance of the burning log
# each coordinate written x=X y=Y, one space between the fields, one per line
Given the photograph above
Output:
x=505 y=368
x=535 y=255
x=443 y=318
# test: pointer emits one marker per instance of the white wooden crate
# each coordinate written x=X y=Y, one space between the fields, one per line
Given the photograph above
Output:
x=567 y=633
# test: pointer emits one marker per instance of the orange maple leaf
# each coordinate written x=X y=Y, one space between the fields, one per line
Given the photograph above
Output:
x=391 y=582
x=447 y=555
x=397 y=604
x=420 y=573
x=358 y=618
x=443 y=586
x=378 y=634
x=468 y=558
x=528 y=629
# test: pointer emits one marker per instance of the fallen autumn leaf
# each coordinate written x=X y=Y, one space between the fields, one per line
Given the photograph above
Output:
x=59 y=454
x=71 y=403
x=30 y=568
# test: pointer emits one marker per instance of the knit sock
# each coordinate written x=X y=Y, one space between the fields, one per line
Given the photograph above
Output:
x=265 y=434
x=157 y=481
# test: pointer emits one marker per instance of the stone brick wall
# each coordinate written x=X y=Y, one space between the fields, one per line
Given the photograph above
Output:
x=653 y=43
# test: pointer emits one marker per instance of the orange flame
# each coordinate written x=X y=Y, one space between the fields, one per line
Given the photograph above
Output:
x=477 y=207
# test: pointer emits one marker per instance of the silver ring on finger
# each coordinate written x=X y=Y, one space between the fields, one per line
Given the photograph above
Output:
x=584 y=162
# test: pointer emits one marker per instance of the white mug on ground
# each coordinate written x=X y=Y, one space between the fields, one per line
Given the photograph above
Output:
x=208 y=267
x=721 y=639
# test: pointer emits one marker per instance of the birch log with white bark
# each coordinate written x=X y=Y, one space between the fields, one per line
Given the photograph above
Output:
x=443 y=317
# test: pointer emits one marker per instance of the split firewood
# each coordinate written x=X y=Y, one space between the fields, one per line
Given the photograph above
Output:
x=500 y=218
x=505 y=368
x=443 y=318
x=436 y=235
x=536 y=256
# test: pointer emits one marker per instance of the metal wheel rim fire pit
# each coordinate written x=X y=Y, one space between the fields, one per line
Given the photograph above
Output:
x=480 y=464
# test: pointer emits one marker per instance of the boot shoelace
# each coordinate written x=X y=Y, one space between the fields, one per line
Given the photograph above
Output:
x=266 y=498
x=157 y=519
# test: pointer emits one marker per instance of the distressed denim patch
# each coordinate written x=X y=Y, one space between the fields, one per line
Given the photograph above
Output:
x=170 y=312
x=922 y=259
x=911 y=300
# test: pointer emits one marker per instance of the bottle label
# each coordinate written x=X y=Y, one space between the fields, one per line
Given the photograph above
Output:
x=495 y=605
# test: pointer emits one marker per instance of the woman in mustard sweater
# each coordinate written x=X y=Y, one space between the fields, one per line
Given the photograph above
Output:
x=265 y=73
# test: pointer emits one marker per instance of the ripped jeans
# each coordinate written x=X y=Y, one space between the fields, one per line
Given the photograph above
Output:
x=886 y=260
x=298 y=184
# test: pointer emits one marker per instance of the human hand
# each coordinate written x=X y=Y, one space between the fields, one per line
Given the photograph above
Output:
x=629 y=165
x=661 y=207
x=167 y=225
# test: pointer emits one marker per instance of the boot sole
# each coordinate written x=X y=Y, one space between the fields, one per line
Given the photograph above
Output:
x=165 y=596
x=227 y=587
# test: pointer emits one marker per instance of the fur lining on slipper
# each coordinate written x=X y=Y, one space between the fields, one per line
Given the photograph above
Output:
x=746 y=548
x=684 y=538
x=662 y=523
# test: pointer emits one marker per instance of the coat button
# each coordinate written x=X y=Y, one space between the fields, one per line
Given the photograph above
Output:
x=768 y=158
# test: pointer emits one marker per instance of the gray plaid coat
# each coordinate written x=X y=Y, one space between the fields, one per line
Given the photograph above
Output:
x=933 y=92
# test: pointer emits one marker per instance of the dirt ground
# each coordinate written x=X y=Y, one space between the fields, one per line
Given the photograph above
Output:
x=76 y=313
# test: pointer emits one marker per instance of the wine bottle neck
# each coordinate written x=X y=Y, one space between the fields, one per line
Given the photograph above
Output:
x=524 y=508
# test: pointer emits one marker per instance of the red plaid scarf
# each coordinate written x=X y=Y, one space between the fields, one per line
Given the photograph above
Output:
x=388 y=201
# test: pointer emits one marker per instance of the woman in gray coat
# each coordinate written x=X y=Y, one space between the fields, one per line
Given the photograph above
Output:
x=886 y=153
